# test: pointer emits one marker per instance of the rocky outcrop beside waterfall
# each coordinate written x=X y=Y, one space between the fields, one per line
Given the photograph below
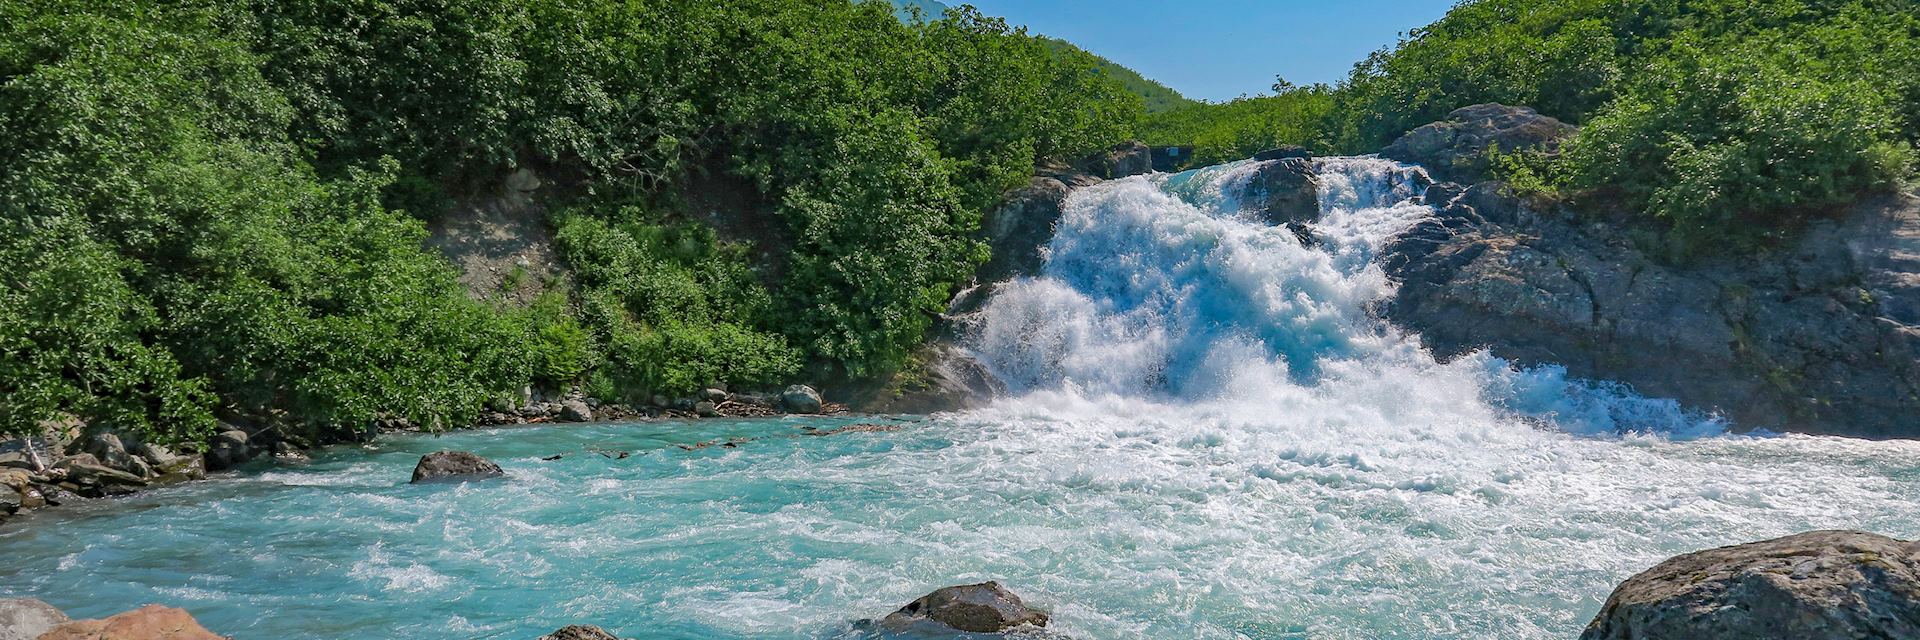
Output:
x=1820 y=336
x=1821 y=584
x=1456 y=148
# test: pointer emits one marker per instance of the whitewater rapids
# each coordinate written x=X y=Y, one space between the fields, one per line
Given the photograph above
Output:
x=1208 y=435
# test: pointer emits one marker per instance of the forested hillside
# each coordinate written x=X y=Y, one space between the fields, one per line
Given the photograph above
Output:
x=1158 y=97
x=213 y=208
x=1728 y=120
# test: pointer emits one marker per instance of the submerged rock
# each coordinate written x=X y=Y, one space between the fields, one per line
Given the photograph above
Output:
x=1820 y=584
x=800 y=398
x=27 y=618
x=454 y=466
x=979 y=608
x=151 y=622
x=580 y=632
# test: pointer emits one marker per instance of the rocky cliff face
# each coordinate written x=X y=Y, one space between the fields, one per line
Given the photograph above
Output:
x=1822 y=336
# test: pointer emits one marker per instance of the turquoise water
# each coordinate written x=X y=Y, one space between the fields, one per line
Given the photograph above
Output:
x=1176 y=522
x=1208 y=434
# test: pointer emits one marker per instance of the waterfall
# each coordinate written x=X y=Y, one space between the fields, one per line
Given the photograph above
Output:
x=1165 y=288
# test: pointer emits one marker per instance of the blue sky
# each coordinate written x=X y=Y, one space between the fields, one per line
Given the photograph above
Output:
x=1218 y=49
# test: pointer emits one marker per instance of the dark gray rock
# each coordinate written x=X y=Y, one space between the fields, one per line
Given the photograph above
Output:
x=1171 y=159
x=456 y=466
x=1283 y=153
x=714 y=395
x=228 y=449
x=92 y=479
x=580 y=632
x=977 y=608
x=942 y=377
x=706 y=409
x=15 y=486
x=180 y=469
x=800 y=398
x=1820 y=584
x=1019 y=229
x=1125 y=159
x=27 y=618
x=576 y=411
x=108 y=449
x=1283 y=191
x=1455 y=149
x=1798 y=339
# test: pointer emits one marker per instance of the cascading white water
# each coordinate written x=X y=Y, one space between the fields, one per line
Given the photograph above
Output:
x=1162 y=287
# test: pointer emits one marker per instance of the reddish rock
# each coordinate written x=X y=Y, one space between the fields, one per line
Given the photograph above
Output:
x=151 y=622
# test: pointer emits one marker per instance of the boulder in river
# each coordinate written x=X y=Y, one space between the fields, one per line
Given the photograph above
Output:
x=1819 y=584
x=580 y=632
x=576 y=411
x=1284 y=191
x=454 y=466
x=151 y=622
x=978 y=608
x=800 y=398
x=228 y=449
x=27 y=618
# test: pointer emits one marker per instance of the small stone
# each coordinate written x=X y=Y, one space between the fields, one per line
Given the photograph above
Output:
x=454 y=466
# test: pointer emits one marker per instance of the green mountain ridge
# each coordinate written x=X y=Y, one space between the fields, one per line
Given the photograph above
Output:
x=1159 y=97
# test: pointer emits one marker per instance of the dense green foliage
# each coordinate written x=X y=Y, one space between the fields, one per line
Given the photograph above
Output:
x=1245 y=126
x=202 y=198
x=1730 y=120
x=165 y=244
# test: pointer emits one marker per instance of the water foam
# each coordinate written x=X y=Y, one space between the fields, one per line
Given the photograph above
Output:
x=1163 y=286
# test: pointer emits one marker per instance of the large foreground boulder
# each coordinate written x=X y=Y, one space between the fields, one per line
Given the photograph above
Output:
x=978 y=608
x=27 y=618
x=151 y=622
x=580 y=632
x=1820 y=584
x=454 y=466
x=1456 y=148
